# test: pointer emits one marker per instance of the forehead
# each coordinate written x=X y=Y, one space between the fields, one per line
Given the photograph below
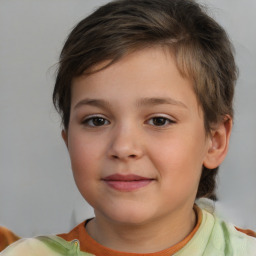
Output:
x=154 y=50
x=149 y=57
x=148 y=73
x=157 y=59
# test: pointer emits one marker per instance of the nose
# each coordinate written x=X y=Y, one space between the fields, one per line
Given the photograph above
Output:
x=126 y=144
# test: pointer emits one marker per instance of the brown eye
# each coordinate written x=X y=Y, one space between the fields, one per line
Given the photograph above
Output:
x=95 y=121
x=160 y=121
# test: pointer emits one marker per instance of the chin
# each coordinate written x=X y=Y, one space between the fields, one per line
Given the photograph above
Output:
x=130 y=216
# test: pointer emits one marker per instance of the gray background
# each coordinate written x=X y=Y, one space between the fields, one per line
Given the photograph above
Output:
x=37 y=191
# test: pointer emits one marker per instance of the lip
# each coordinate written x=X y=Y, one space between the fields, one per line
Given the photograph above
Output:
x=127 y=183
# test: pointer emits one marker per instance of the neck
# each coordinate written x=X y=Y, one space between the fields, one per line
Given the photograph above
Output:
x=157 y=235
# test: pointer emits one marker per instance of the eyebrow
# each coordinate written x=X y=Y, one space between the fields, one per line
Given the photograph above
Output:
x=93 y=102
x=160 y=101
x=141 y=102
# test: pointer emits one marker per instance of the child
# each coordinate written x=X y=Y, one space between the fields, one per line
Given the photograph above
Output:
x=145 y=91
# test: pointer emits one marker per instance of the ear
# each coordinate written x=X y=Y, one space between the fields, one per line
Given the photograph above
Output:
x=64 y=135
x=219 y=142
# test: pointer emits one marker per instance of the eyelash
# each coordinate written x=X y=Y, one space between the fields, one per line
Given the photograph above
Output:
x=93 y=118
x=166 y=121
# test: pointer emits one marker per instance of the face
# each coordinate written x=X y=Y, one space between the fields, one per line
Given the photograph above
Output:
x=136 y=139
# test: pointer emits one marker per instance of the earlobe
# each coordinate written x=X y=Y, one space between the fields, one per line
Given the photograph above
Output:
x=64 y=135
x=219 y=143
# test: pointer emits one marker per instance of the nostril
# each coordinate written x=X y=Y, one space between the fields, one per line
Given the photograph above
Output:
x=129 y=156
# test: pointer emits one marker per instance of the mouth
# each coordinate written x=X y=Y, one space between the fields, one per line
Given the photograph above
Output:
x=127 y=183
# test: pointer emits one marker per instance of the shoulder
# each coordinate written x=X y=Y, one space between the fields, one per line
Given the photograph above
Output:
x=248 y=232
x=241 y=240
x=7 y=237
x=44 y=245
x=225 y=237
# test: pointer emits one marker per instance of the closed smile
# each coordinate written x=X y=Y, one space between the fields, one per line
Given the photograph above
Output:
x=127 y=182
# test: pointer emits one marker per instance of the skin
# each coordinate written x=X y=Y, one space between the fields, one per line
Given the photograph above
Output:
x=116 y=129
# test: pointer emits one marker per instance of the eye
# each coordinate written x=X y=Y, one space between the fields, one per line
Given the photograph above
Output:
x=95 y=121
x=160 y=121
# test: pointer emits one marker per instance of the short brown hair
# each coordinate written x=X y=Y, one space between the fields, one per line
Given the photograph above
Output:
x=201 y=48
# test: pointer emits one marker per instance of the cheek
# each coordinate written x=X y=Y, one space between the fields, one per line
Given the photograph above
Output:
x=83 y=150
x=179 y=160
x=85 y=169
x=84 y=159
x=177 y=154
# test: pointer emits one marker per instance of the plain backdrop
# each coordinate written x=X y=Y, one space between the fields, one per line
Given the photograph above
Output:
x=37 y=191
